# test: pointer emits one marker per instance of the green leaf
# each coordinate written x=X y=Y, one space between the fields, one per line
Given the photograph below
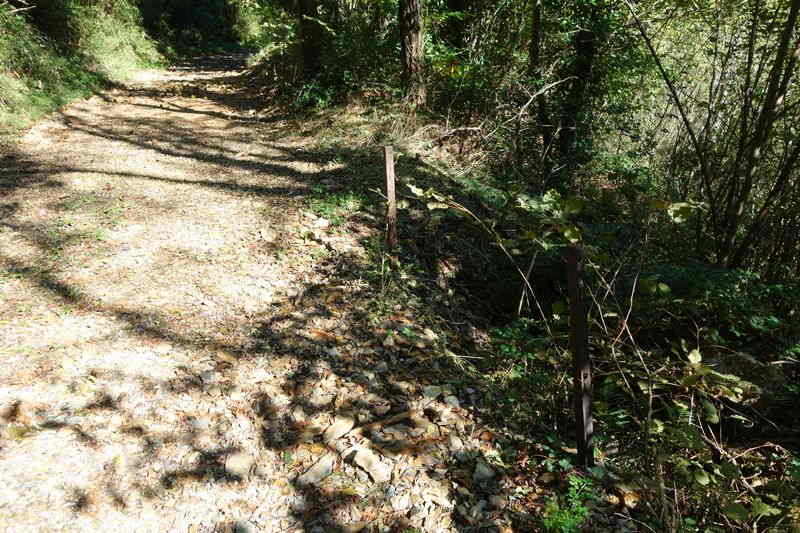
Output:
x=712 y=415
x=688 y=381
x=572 y=234
x=763 y=509
x=695 y=357
x=736 y=511
x=730 y=470
x=416 y=190
x=701 y=476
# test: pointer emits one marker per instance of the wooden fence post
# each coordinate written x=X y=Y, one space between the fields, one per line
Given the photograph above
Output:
x=391 y=215
x=582 y=364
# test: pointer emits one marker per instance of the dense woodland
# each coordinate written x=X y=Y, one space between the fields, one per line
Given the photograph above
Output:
x=659 y=137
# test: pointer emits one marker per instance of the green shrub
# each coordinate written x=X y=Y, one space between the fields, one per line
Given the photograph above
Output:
x=566 y=514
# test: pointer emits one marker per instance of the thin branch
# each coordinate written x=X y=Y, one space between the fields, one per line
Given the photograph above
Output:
x=684 y=117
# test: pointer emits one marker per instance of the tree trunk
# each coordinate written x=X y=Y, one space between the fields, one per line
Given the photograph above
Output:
x=535 y=72
x=575 y=138
x=311 y=38
x=410 y=17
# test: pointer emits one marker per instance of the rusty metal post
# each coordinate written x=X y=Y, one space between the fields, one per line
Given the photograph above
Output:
x=582 y=364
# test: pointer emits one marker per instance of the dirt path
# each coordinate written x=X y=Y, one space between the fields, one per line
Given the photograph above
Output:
x=177 y=330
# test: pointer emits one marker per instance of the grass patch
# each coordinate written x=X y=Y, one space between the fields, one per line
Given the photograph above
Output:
x=336 y=207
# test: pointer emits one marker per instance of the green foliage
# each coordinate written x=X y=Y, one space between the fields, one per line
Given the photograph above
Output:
x=62 y=50
x=186 y=27
x=336 y=207
x=567 y=513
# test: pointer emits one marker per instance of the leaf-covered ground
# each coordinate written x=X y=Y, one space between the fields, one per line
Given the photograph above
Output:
x=187 y=346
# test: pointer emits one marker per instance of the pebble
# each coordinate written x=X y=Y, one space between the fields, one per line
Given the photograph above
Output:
x=268 y=235
x=452 y=401
x=244 y=526
x=239 y=464
x=369 y=461
x=401 y=502
x=381 y=410
x=340 y=427
x=382 y=367
x=482 y=472
x=321 y=469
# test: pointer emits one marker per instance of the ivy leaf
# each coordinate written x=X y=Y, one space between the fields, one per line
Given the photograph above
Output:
x=763 y=509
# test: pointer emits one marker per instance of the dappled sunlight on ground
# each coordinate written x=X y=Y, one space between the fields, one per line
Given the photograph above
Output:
x=187 y=347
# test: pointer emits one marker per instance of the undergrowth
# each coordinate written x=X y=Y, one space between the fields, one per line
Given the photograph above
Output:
x=695 y=366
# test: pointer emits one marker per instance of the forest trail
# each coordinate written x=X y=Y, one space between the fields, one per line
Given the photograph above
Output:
x=177 y=330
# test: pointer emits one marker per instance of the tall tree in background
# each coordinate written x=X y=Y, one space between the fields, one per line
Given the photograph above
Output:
x=410 y=20
x=311 y=37
x=575 y=129
x=535 y=73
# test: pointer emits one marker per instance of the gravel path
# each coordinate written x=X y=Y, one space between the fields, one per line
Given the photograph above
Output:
x=180 y=350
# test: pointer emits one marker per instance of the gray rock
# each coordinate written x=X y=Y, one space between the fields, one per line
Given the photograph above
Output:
x=452 y=401
x=462 y=456
x=244 y=526
x=341 y=426
x=382 y=367
x=497 y=501
x=370 y=462
x=321 y=469
x=483 y=472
